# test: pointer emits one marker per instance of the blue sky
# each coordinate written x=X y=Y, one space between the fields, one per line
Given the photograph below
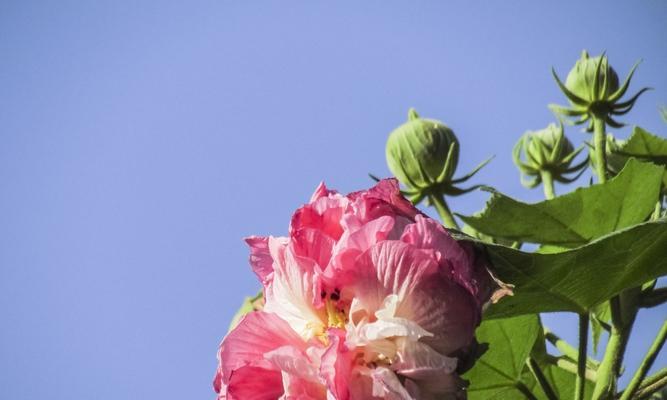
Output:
x=140 y=141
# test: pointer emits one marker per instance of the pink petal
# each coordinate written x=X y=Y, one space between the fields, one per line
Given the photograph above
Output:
x=260 y=257
x=257 y=334
x=384 y=198
x=254 y=383
x=321 y=191
x=294 y=293
x=387 y=386
x=460 y=259
x=425 y=293
x=323 y=213
x=336 y=365
x=313 y=244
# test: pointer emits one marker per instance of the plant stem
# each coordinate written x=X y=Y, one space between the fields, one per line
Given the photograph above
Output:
x=548 y=184
x=654 y=298
x=657 y=210
x=652 y=381
x=646 y=363
x=541 y=379
x=607 y=374
x=566 y=364
x=441 y=207
x=525 y=391
x=600 y=142
x=648 y=390
x=581 y=360
x=568 y=350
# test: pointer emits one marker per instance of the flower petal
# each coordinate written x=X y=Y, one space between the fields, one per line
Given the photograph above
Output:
x=293 y=294
x=241 y=355
x=260 y=256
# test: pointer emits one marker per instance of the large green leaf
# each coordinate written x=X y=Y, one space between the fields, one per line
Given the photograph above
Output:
x=578 y=279
x=500 y=372
x=646 y=146
x=576 y=218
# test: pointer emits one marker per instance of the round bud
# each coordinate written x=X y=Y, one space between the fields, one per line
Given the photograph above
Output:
x=581 y=79
x=418 y=151
x=546 y=148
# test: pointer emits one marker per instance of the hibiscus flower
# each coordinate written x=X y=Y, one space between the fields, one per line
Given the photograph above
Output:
x=366 y=298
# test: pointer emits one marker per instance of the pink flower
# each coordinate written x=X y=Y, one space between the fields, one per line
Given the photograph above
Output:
x=366 y=298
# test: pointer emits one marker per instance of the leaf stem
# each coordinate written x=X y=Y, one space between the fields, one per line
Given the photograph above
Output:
x=607 y=374
x=525 y=391
x=657 y=210
x=568 y=365
x=648 y=390
x=600 y=142
x=652 y=382
x=654 y=297
x=568 y=350
x=548 y=184
x=442 y=208
x=541 y=379
x=646 y=363
x=581 y=360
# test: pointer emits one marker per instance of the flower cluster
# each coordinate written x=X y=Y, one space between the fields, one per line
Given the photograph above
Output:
x=367 y=298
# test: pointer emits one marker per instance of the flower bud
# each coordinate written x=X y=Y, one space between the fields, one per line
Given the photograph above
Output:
x=593 y=90
x=582 y=78
x=546 y=150
x=422 y=153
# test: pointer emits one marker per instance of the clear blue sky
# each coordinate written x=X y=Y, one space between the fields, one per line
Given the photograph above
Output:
x=141 y=140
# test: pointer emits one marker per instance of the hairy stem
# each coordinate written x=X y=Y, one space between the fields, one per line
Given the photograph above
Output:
x=600 y=142
x=646 y=363
x=442 y=208
x=568 y=350
x=607 y=373
x=581 y=360
x=548 y=184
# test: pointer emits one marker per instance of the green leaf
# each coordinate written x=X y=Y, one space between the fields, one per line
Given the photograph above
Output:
x=501 y=370
x=578 y=279
x=578 y=217
x=249 y=304
x=646 y=146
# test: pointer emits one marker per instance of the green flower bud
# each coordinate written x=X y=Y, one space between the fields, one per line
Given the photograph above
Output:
x=593 y=90
x=582 y=78
x=546 y=150
x=422 y=153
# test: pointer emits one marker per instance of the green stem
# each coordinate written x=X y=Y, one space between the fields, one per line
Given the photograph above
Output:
x=657 y=210
x=566 y=364
x=607 y=375
x=652 y=381
x=648 y=390
x=548 y=184
x=646 y=363
x=525 y=391
x=581 y=360
x=653 y=298
x=568 y=350
x=442 y=208
x=600 y=141
x=541 y=379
